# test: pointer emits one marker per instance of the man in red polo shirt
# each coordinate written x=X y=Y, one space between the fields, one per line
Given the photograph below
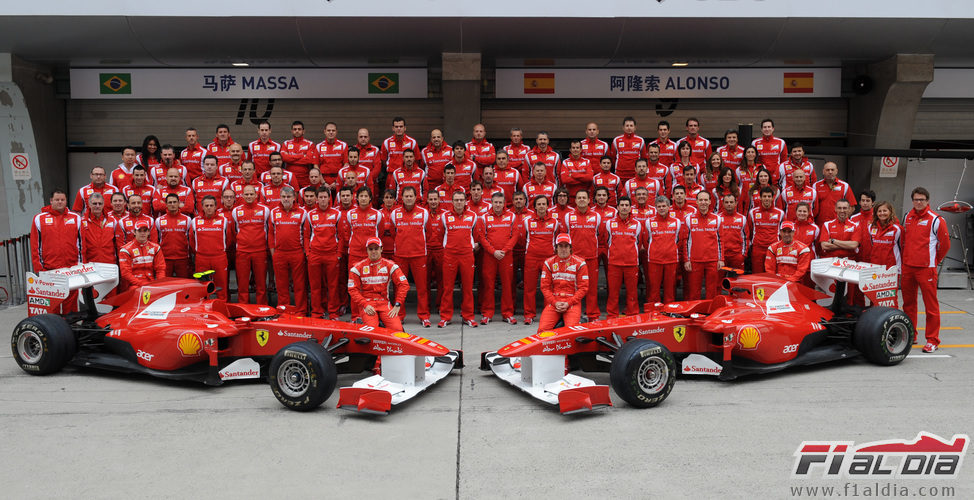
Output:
x=261 y=149
x=298 y=154
x=517 y=153
x=593 y=148
x=220 y=146
x=829 y=190
x=174 y=228
x=331 y=156
x=410 y=224
x=98 y=185
x=192 y=155
x=460 y=227
x=212 y=239
x=623 y=234
x=122 y=175
x=98 y=233
x=700 y=145
x=250 y=222
x=840 y=236
x=322 y=245
x=731 y=152
x=498 y=239
x=285 y=238
x=542 y=153
x=664 y=235
x=210 y=183
x=788 y=258
x=667 y=148
x=626 y=149
x=703 y=250
x=394 y=145
x=480 y=151
x=585 y=226
x=772 y=150
x=576 y=172
x=434 y=157
x=368 y=285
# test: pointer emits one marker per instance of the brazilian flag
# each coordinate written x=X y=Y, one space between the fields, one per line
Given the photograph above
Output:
x=115 y=83
x=383 y=83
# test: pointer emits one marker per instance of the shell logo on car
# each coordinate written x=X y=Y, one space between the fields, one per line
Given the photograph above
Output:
x=189 y=344
x=749 y=337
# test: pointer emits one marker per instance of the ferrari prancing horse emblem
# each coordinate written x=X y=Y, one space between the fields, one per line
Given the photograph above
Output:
x=262 y=337
x=759 y=293
x=679 y=332
x=145 y=297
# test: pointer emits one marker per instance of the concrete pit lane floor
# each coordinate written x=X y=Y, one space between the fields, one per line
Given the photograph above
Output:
x=89 y=434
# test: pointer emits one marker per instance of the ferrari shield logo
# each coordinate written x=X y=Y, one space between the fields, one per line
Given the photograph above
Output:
x=679 y=332
x=759 y=293
x=262 y=337
x=145 y=297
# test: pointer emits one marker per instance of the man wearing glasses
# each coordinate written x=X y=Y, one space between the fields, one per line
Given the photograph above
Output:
x=925 y=244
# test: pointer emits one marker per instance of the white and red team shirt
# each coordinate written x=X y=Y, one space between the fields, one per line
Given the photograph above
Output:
x=446 y=191
x=222 y=153
x=55 y=239
x=459 y=231
x=539 y=234
x=663 y=239
x=827 y=196
x=499 y=231
x=732 y=158
x=788 y=261
x=211 y=236
x=667 y=150
x=772 y=151
x=610 y=181
x=265 y=178
x=192 y=159
x=331 y=157
x=533 y=190
x=285 y=229
x=81 y=198
x=321 y=234
x=925 y=238
x=843 y=231
x=660 y=172
x=676 y=172
x=121 y=177
x=204 y=185
x=260 y=154
x=358 y=226
x=392 y=149
x=298 y=152
x=509 y=180
x=654 y=186
x=517 y=158
x=465 y=171
x=493 y=188
x=791 y=196
x=479 y=207
x=746 y=177
x=622 y=240
x=410 y=228
x=238 y=187
x=703 y=238
x=363 y=176
x=786 y=168
x=734 y=231
x=549 y=157
x=186 y=199
x=434 y=160
x=270 y=194
x=230 y=171
x=157 y=174
x=882 y=245
x=146 y=191
x=481 y=152
x=565 y=279
x=764 y=225
x=370 y=157
x=174 y=235
x=593 y=150
x=626 y=149
x=125 y=229
x=807 y=232
x=414 y=177
x=576 y=175
x=700 y=148
x=250 y=223
x=584 y=229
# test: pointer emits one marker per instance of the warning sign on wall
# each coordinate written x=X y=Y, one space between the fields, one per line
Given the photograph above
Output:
x=20 y=165
x=888 y=166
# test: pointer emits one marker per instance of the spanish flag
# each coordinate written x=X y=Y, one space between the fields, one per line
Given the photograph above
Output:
x=539 y=83
x=799 y=83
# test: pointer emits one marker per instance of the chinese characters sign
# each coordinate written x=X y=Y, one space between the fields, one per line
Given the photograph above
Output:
x=237 y=83
x=636 y=83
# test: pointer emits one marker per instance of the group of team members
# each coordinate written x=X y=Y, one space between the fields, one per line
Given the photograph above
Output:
x=324 y=214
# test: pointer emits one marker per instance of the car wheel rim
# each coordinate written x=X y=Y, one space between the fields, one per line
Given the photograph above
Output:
x=652 y=376
x=30 y=348
x=293 y=378
x=896 y=338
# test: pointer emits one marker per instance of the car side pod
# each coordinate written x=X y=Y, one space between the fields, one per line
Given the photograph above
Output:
x=401 y=378
x=544 y=378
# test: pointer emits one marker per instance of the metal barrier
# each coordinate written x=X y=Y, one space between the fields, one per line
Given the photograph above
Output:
x=16 y=263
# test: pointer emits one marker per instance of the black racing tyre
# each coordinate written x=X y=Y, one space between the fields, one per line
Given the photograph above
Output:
x=643 y=372
x=883 y=335
x=302 y=375
x=43 y=344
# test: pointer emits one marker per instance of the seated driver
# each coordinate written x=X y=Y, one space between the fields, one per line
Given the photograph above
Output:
x=140 y=261
x=788 y=258
x=564 y=281
x=368 y=286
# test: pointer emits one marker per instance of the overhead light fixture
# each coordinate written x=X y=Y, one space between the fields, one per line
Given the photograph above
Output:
x=241 y=64
x=680 y=64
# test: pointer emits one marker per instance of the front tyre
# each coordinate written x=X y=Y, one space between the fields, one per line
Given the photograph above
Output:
x=43 y=344
x=643 y=373
x=302 y=375
x=883 y=335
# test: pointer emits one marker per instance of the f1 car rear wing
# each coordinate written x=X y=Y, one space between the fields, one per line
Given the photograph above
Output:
x=876 y=282
x=47 y=291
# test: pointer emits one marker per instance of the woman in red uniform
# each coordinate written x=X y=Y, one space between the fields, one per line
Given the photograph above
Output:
x=883 y=245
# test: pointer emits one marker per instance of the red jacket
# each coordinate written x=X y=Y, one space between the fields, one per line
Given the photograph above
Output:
x=564 y=280
x=764 y=225
x=270 y=194
x=465 y=172
x=459 y=231
x=238 y=187
x=139 y=265
x=667 y=150
x=772 y=151
x=414 y=177
x=146 y=191
x=174 y=234
x=623 y=240
x=807 y=232
x=285 y=229
x=499 y=231
x=610 y=181
x=846 y=231
x=368 y=282
x=786 y=168
x=331 y=157
x=517 y=158
x=410 y=228
x=701 y=148
x=434 y=160
x=446 y=191
x=299 y=152
x=125 y=229
x=661 y=172
x=260 y=154
x=81 y=199
x=392 y=149
x=533 y=190
x=435 y=230
x=250 y=222
x=663 y=237
x=481 y=152
x=652 y=185
x=703 y=238
x=121 y=177
x=185 y=195
x=221 y=152
x=539 y=234
x=370 y=157
x=593 y=150
x=363 y=176
x=791 y=196
x=55 y=239
x=212 y=236
x=576 y=175
x=733 y=234
x=627 y=148
x=204 y=185
x=321 y=232
x=549 y=157
x=584 y=229
x=358 y=226
x=790 y=262
x=230 y=171
x=732 y=158
x=881 y=245
x=828 y=196
x=192 y=159
x=98 y=239
x=925 y=238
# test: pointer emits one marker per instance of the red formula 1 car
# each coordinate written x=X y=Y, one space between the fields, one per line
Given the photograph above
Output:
x=171 y=330
x=760 y=324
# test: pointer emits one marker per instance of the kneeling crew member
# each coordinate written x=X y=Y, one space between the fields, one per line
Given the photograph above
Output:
x=564 y=281
x=788 y=258
x=368 y=285
x=140 y=261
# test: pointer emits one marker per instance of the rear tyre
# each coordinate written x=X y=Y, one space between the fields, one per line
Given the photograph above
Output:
x=643 y=373
x=43 y=344
x=883 y=335
x=302 y=375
